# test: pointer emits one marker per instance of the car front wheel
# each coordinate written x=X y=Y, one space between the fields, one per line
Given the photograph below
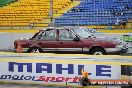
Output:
x=35 y=50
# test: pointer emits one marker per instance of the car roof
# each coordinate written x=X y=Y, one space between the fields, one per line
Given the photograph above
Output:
x=63 y=27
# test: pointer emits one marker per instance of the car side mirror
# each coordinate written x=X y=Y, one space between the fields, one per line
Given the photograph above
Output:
x=76 y=39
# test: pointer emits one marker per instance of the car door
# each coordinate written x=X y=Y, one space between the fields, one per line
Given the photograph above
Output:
x=48 y=40
x=66 y=42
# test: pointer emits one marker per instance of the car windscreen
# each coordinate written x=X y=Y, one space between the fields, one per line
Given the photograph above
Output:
x=83 y=33
x=37 y=35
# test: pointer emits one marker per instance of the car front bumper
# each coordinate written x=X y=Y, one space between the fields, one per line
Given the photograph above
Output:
x=115 y=51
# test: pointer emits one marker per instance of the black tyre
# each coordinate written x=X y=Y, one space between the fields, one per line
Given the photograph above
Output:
x=35 y=50
x=98 y=51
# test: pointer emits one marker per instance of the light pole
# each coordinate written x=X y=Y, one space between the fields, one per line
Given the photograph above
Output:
x=51 y=12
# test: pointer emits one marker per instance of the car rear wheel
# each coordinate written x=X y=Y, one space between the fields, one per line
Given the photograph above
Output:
x=98 y=51
x=35 y=50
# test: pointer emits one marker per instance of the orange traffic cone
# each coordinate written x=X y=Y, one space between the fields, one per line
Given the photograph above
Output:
x=19 y=47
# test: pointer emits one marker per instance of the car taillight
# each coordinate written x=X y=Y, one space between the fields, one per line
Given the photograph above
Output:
x=15 y=45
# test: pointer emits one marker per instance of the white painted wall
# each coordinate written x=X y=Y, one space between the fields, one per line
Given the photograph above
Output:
x=7 y=39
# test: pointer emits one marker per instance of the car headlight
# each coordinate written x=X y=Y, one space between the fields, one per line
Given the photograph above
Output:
x=119 y=46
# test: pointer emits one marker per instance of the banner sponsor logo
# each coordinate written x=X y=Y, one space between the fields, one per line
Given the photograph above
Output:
x=41 y=78
x=19 y=77
x=85 y=81
x=101 y=70
x=47 y=72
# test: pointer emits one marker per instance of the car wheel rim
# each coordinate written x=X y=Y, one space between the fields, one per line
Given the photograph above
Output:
x=35 y=51
x=98 y=53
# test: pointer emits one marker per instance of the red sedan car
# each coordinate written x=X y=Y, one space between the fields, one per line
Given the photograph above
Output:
x=75 y=39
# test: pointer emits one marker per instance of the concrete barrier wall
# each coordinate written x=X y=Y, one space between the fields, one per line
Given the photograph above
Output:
x=63 y=69
x=7 y=39
x=31 y=69
x=53 y=72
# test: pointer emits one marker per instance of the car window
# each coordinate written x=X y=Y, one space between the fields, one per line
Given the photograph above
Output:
x=82 y=32
x=48 y=35
x=66 y=35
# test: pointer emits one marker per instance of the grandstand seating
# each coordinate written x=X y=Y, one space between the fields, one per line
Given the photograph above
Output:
x=91 y=13
x=5 y=2
x=23 y=12
x=97 y=12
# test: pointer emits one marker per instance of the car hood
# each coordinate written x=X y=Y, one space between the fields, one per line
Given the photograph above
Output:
x=100 y=40
x=109 y=39
x=102 y=36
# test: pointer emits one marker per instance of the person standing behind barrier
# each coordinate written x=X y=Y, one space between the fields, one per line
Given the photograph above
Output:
x=31 y=25
x=124 y=22
x=117 y=23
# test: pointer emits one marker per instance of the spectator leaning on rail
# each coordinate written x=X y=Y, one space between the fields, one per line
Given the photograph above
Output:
x=76 y=10
x=117 y=23
x=31 y=25
x=124 y=22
